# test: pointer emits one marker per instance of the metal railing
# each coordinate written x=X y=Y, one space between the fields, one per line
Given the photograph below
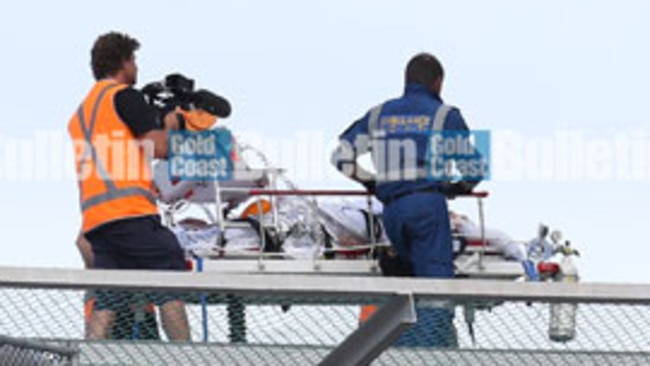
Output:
x=18 y=352
x=322 y=326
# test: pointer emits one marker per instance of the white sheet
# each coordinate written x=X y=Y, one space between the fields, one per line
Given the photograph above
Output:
x=509 y=247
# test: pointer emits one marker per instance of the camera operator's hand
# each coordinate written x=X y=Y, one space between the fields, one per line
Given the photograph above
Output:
x=173 y=121
x=263 y=181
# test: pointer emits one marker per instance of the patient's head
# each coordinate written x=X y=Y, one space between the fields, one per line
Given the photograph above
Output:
x=457 y=220
x=193 y=223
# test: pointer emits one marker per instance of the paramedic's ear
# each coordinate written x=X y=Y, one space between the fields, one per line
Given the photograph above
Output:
x=436 y=86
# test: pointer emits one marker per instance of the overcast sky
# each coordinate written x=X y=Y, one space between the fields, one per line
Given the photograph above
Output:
x=528 y=71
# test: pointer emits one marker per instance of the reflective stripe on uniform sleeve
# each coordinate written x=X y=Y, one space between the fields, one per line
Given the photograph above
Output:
x=373 y=121
x=441 y=115
x=438 y=126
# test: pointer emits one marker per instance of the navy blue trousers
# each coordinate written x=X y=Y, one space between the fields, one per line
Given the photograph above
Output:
x=419 y=230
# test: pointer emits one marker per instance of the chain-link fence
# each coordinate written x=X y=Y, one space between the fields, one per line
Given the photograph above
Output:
x=306 y=324
x=23 y=352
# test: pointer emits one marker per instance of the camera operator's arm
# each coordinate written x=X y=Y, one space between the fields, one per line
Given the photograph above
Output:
x=142 y=120
x=160 y=136
x=86 y=250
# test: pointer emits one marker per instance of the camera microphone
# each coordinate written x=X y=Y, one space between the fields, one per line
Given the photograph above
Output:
x=212 y=103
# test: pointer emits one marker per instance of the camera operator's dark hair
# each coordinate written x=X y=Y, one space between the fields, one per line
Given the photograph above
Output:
x=424 y=69
x=109 y=52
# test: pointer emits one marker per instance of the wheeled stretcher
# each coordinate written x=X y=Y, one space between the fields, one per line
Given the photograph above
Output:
x=308 y=231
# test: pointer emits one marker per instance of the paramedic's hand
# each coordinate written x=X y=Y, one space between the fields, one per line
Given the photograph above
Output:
x=263 y=182
x=370 y=186
x=453 y=190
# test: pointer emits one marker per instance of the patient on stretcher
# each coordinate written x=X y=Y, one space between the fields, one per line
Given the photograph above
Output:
x=343 y=224
x=304 y=227
x=171 y=190
x=508 y=247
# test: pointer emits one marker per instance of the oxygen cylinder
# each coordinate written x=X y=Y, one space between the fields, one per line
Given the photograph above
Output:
x=538 y=250
x=562 y=325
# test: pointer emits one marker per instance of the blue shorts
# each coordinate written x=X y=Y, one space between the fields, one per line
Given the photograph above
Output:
x=135 y=243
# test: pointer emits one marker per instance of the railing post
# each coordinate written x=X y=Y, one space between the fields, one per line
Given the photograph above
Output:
x=481 y=217
x=375 y=335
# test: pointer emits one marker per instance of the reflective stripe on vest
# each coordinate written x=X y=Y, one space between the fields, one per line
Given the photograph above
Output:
x=112 y=192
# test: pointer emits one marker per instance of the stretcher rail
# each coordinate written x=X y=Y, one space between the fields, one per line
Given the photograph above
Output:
x=324 y=192
x=479 y=195
x=273 y=193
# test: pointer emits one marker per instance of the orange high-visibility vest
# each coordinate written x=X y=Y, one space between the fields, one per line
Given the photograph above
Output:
x=113 y=170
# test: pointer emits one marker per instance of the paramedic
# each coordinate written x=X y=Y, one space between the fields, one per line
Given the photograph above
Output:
x=115 y=133
x=415 y=208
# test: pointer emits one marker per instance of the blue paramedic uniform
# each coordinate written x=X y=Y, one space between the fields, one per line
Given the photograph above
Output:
x=416 y=216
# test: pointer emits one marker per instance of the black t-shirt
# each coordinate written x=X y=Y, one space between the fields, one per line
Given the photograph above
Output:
x=135 y=112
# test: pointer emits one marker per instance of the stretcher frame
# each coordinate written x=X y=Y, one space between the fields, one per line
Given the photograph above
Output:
x=477 y=261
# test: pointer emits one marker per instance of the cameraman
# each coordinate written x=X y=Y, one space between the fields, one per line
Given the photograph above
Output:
x=120 y=216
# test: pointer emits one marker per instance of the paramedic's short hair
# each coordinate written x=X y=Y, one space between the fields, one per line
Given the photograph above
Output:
x=110 y=51
x=423 y=69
